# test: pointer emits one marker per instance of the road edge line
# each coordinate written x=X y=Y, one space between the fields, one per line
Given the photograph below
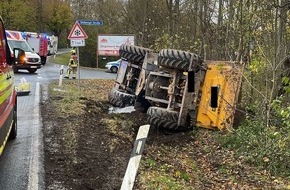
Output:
x=34 y=165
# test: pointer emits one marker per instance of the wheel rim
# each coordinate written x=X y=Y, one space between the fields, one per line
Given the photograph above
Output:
x=114 y=70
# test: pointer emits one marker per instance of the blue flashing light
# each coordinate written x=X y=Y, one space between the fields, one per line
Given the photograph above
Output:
x=23 y=34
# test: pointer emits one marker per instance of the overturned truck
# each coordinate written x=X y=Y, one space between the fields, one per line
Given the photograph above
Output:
x=124 y=91
x=178 y=89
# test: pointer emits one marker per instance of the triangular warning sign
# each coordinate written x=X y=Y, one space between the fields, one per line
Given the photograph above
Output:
x=77 y=32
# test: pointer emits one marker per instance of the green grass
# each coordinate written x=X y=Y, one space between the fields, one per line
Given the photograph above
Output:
x=69 y=102
x=264 y=147
x=61 y=59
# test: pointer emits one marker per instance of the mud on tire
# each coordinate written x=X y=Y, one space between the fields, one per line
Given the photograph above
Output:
x=120 y=99
x=162 y=118
x=133 y=53
x=165 y=119
x=176 y=59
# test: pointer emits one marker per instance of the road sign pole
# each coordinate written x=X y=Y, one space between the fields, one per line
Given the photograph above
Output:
x=79 y=73
x=77 y=38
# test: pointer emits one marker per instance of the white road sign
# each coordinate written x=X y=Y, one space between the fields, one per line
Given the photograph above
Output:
x=77 y=42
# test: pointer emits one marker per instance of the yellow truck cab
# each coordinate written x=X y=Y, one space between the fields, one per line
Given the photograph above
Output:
x=8 y=95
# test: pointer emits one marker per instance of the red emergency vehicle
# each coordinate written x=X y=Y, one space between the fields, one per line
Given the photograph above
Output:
x=39 y=43
x=32 y=60
x=8 y=98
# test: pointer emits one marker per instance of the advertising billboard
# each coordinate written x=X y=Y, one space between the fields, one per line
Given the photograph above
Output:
x=108 y=45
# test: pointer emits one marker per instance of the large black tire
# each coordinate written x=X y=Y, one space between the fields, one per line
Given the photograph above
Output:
x=133 y=53
x=165 y=119
x=15 y=69
x=120 y=99
x=162 y=118
x=13 y=132
x=32 y=70
x=43 y=60
x=176 y=59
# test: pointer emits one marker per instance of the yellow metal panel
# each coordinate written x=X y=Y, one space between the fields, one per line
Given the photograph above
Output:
x=6 y=86
x=5 y=140
x=227 y=77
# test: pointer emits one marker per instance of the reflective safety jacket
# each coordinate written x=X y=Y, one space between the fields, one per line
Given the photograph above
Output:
x=73 y=62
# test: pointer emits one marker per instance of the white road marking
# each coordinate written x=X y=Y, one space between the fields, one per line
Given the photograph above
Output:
x=34 y=170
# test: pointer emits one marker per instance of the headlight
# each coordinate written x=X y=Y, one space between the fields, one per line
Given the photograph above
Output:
x=22 y=60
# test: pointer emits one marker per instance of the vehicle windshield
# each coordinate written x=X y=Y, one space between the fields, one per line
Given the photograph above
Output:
x=19 y=44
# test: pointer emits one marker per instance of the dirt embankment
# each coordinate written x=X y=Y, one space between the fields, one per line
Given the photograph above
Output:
x=88 y=148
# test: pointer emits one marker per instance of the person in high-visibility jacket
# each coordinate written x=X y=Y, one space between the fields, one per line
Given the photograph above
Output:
x=72 y=65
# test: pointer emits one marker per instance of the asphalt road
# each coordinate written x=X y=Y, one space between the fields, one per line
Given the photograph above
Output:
x=21 y=164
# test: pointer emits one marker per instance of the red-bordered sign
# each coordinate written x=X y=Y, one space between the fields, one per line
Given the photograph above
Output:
x=77 y=32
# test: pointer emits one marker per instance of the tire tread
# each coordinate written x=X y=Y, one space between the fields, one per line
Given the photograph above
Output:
x=120 y=99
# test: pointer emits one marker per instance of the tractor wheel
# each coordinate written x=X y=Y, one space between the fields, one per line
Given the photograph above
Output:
x=162 y=118
x=120 y=99
x=165 y=119
x=133 y=53
x=176 y=59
